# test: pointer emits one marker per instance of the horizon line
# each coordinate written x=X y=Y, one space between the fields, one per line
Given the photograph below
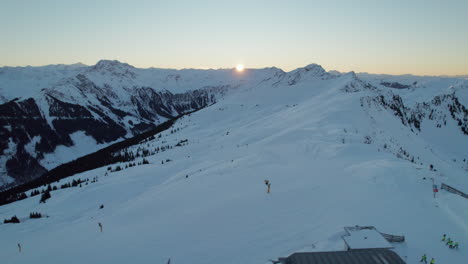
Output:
x=233 y=67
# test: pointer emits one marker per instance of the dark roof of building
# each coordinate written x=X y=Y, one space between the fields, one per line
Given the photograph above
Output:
x=356 y=256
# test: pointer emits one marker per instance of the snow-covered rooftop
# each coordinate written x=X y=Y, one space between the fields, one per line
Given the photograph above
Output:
x=365 y=238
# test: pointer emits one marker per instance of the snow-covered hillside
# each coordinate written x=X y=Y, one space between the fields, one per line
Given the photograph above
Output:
x=419 y=88
x=48 y=112
x=336 y=150
x=54 y=114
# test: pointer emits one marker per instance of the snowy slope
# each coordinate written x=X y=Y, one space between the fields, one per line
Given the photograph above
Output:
x=45 y=107
x=330 y=149
x=420 y=88
x=17 y=82
x=25 y=82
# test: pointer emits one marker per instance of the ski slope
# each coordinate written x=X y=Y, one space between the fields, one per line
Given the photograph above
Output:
x=209 y=203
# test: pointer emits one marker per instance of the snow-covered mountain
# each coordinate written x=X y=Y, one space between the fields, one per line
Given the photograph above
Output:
x=419 y=88
x=54 y=114
x=338 y=149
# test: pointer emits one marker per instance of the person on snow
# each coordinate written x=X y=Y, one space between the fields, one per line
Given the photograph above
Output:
x=19 y=247
x=450 y=244
x=443 y=237
x=424 y=258
x=268 y=184
x=456 y=245
x=100 y=226
x=432 y=261
x=448 y=241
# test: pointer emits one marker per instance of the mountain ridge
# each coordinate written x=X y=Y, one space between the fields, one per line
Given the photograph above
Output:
x=195 y=192
x=111 y=101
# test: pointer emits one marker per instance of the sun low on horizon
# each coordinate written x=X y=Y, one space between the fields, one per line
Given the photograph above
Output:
x=240 y=68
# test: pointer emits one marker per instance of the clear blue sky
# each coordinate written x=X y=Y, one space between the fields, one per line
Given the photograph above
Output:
x=412 y=36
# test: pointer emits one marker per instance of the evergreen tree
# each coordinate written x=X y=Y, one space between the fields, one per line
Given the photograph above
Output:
x=22 y=196
x=13 y=220
x=35 y=215
x=46 y=195
x=34 y=193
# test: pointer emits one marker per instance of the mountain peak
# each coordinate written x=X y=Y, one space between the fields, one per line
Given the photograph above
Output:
x=111 y=64
x=113 y=67
x=313 y=68
x=310 y=71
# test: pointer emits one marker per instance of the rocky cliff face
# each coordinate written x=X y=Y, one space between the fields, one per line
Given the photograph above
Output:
x=31 y=129
x=439 y=110
x=23 y=122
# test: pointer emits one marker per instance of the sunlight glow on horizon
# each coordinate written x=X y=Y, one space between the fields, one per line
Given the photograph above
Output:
x=395 y=37
x=240 y=68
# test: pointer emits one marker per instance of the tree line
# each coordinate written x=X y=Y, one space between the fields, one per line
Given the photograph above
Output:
x=91 y=161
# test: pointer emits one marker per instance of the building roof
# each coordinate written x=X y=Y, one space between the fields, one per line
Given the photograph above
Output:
x=359 y=238
x=360 y=256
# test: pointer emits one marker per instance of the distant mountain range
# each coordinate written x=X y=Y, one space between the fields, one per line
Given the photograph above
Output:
x=53 y=114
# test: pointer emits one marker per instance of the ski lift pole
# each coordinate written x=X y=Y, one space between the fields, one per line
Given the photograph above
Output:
x=434 y=188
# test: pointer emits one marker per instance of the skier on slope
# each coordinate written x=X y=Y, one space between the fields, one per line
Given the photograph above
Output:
x=450 y=244
x=432 y=261
x=424 y=258
x=443 y=237
x=100 y=226
x=268 y=184
x=456 y=245
x=448 y=241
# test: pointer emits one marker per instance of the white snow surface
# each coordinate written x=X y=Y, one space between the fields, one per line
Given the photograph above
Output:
x=366 y=238
x=82 y=145
x=4 y=178
x=306 y=139
x=25 y=82
x=121 y=78
x=423 y=88
x=31 y=146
